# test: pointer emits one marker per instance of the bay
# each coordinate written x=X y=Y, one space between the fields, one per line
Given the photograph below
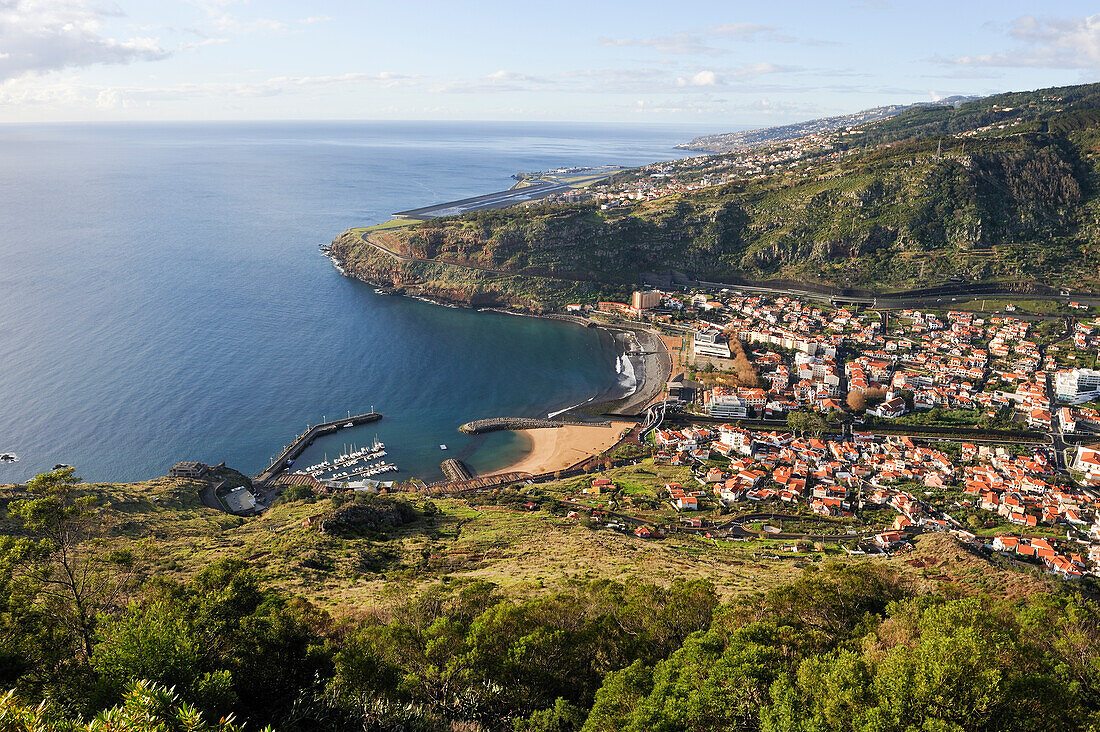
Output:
x=162 y=296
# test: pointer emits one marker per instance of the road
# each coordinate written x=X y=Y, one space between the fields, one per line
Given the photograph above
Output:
x=902 y=300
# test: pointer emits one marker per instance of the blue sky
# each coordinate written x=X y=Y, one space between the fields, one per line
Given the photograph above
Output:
x=711 y=64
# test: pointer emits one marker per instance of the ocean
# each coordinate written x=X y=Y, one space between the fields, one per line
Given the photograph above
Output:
x=163 y=298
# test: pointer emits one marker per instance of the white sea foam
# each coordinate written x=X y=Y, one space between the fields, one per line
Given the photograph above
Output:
x=563 y=411
x=627 y=380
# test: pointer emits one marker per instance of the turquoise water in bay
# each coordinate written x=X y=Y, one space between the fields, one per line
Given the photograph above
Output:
x=162 y=296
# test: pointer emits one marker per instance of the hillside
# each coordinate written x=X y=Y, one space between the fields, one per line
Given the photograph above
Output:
x=479 y=612
x=999 y=189
x=729 y=141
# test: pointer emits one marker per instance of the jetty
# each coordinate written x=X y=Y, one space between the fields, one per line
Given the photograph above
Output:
x=304 y=440
x=456 y=470
x=498 y=424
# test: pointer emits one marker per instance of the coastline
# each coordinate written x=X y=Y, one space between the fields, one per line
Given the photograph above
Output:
x=557 y=448
x=643 y=367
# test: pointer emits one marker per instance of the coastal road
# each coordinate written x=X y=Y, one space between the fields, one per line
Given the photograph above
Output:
x=901 y=300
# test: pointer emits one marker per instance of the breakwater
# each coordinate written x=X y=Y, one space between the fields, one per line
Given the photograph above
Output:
x=496 y=424
x=304 y=440
x=455 y=470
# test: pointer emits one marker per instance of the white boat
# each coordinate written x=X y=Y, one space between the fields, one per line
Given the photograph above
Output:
x=442 y=447
x=8 y=457
x=349 y=424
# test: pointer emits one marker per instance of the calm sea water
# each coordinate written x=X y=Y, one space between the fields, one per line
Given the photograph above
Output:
x=162 y=296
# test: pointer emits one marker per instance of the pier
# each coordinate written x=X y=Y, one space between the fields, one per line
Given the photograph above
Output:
x=495 y=424
x=304 y=440
x=456 y=470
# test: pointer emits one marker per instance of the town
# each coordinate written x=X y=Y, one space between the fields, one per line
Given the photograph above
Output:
x=976 y=420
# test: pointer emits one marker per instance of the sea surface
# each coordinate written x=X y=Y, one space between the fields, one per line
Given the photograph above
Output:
x=162 y=296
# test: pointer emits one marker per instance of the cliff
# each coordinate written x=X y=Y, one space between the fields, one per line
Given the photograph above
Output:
x=998 y=190
x=459 y=283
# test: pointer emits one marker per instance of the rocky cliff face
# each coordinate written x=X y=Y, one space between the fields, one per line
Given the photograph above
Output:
x=458 y=283
x=977 y=193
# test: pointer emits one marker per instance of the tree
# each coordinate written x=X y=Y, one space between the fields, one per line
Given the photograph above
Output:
x=298 y=493
x=71 y=580
x=146 y=707
x=796 y=422
x=874 y=396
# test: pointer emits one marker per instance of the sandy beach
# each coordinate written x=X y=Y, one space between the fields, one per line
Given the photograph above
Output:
x=556 y=448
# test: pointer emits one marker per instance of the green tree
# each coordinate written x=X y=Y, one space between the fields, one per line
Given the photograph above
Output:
x=71 y=580
x=298 y=493
x=146 y=707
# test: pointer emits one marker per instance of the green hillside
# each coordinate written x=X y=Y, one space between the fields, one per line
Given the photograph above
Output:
x=1000 y=189
x=135 y=608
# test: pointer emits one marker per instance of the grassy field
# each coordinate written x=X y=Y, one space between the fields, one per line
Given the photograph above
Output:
x=486 y=536
x=997 y=307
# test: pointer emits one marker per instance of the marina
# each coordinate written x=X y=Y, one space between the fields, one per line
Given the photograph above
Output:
x=291 y=452
x=363 y=462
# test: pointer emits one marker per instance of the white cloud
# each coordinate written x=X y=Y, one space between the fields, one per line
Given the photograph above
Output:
x=46 y=35
x=1056 y=43
x=700 y=40
x=226 y=23
x=205 y=42
x=703 y=78
x=71 y=93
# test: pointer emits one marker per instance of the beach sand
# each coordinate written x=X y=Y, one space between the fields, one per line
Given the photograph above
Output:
x=556 y=448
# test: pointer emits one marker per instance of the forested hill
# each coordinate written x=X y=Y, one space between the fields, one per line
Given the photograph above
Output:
x=999 y=189
x=101 y=630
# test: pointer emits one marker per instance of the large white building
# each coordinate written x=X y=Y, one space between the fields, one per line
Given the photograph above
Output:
x=707 y=343
x=727 y=405
x=1077 y=385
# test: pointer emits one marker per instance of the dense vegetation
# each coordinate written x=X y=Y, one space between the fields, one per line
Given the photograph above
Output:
x=909 y=202
x=91 y=642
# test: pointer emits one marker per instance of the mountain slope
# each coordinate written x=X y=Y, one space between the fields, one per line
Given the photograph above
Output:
x=729 y=141
x=1001 y=189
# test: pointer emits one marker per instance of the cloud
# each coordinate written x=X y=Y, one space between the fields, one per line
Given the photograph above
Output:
x=774 y=107
x=226 y=23
x=703 y=78
x=191 y=46
x=1052 y=43
x=513 y=76
x=71 y=93
x=223 y=22
x=38 y=36
x=725 y=78
x=700 y=40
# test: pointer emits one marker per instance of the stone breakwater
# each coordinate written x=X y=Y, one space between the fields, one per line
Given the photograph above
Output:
x=496 y=424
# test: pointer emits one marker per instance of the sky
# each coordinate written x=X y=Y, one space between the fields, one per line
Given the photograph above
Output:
x=726 y=64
